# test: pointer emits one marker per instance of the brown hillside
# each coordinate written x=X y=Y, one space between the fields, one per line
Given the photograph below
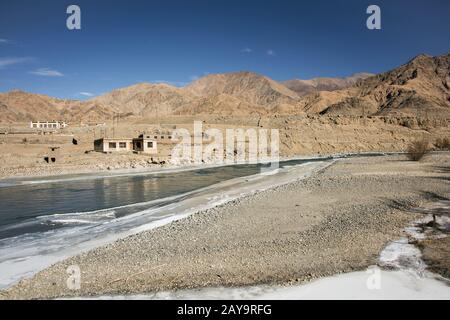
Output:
x=249 y=87
x=146 y=99
x=304 y=87
x=418 y=88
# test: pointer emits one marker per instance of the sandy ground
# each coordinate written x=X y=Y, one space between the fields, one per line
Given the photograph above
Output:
x=23 y=154
x=333 y=222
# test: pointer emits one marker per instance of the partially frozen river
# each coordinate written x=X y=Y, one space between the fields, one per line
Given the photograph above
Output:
x=44 y=221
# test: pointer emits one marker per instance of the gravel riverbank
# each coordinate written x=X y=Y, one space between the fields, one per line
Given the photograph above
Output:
x=336 y=221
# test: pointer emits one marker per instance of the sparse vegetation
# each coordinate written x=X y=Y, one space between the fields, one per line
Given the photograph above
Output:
x=418 y=149
x=408 y=123
x=442 y=144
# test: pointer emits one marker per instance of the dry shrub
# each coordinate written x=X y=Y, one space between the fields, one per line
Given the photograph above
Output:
x=417 y=150
x=442 y=143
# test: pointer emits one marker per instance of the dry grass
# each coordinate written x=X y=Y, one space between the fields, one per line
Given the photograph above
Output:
x=417 y=150
x=442 y=143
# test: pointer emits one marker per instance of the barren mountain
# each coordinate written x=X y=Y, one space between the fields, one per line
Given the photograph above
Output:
x=420 y=87
x=221 y=104
x=17 y=105
x=304 y=87
x=417 y=88
x=318 y=102
x=146 y=99
x=249 y=87
x=89 y=111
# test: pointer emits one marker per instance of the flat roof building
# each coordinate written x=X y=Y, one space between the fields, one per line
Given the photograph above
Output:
x=48 y=124
x=142 y=144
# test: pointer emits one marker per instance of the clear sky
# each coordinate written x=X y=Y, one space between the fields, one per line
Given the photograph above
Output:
x=125 y=42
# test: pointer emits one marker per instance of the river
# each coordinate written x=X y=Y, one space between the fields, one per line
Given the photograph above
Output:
x=44 y=220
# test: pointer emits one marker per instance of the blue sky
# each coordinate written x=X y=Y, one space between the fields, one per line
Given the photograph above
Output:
x=125 y=42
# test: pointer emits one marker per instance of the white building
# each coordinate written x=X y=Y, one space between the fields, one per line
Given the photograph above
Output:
x=48 y=125
x=143 y=144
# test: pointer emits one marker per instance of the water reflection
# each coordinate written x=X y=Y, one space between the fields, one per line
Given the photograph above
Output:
x=22 y=203
x=25 y=208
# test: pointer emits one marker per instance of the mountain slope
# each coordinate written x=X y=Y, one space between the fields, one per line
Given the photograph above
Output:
x=304 y=87
x=221 y=104
x=18 y=105
x=146 y=99
x=417 y=88
x=249 y=87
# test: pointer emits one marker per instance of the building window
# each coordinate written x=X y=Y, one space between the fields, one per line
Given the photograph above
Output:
x=138 y=145
x=156 y=137
x=150 y=144
x=122 y=145
x=112 y=145
x=162 y=137
x=169 y=137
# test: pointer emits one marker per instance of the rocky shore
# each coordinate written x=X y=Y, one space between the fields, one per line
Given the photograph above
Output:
x=336 y=221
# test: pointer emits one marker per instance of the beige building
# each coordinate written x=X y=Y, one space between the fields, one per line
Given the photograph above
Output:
x=145 y=144
x=113 y=145
x=142 y=144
